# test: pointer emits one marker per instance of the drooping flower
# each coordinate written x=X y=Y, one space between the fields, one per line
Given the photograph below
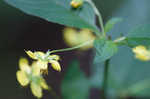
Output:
x=44 y=58
x=73 y=37
x=31 y=75
x=141 y=53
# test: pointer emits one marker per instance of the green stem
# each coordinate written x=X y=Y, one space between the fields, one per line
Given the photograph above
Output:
x=72 y=48
x=105 y=78
x=99 y=16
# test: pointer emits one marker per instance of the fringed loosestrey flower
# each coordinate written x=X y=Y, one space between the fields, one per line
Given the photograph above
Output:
x=44 y=58
x=31 y=75
x=73 y=37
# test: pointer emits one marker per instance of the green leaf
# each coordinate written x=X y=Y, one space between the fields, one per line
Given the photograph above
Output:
x=110 y=24
x=127 y=76
x=105 y=49
x=58 y=11
x=75 y=85
x=132 y=42
x=139 y=36
x=130 y=75
x=140 y=88
x=142 y=31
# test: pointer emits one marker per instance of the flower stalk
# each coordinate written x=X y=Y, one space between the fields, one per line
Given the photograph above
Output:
x=99 y=16
x=72 y=48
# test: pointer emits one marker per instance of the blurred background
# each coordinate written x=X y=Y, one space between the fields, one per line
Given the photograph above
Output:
x=19 y=31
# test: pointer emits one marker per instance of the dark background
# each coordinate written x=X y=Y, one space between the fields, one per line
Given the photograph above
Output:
x=19 y=31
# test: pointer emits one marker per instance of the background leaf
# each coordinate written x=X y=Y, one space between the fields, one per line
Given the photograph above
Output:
x=58 y=11
x=75 y=85
x=140 y=88
x=110 y=24
x=130 y=75
x=127 y=76
x=142 y=31
x=104 y=49
x=139 y=36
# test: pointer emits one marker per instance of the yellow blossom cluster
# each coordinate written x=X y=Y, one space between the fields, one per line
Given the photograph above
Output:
x=141 y=53
x=44 y=58
x=32 y=74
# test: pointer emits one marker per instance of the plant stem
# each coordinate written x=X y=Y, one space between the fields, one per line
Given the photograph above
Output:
x=99 y=16
x=72 y=48
x=105 y=78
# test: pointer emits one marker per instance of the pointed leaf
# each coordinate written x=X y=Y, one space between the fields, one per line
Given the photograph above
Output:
x=58 y=11
x=139 y=36
x=110 y=24
x=105 y=49
x=131 y=76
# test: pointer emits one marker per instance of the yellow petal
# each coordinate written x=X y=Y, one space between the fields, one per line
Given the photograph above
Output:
x=70 y=36
x=36 y=90
x=86 y=35
x=54 y=57
x=31 y=54
x=23 y=61
x=83 y=36
x=73 y=37
x=35 y=69
x=141 y=53
x=42 y=64
x=55 y=65
x=23 y=65
x=76 y=4
x=22 y=78
x=142 y=57
x=43 y=84
x=139 y=49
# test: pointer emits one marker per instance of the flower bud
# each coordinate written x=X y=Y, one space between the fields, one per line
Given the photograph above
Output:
x=76 y=3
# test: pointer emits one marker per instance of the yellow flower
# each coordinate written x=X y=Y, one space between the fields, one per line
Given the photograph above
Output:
x=55 y=65
x=31 y=75
x=44 y=58
x=76 y=3
x=73 y=37
x=141 y=53
x=24 y=72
